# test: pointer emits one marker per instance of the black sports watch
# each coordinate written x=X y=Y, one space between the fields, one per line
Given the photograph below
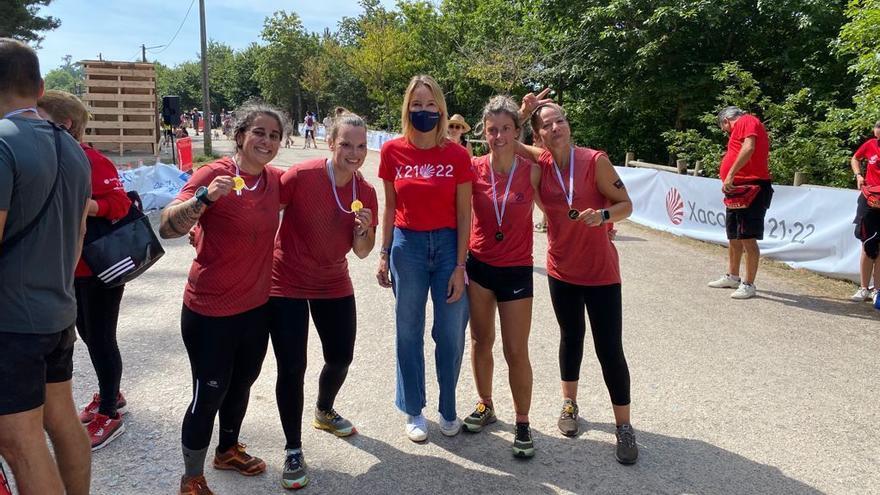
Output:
x=202 y=196
x=606 y=215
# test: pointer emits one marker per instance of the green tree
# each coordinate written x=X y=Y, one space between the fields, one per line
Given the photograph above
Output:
x=62 y=80
x=315 y=78
x=280 y=63
x=68 y=77
x=21 y=20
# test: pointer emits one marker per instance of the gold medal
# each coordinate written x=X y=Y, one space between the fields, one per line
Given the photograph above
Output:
x=237 y=183
x=356 y=206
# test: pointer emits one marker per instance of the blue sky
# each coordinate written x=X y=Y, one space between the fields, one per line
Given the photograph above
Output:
x=117 y=28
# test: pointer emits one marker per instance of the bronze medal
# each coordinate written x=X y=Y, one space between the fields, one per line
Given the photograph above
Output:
x=499 y=236
x=573 y=214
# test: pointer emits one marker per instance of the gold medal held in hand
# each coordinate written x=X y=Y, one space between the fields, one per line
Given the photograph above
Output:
x=237 y=183
x=356 y=206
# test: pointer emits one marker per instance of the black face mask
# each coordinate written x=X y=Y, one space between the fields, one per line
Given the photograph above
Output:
x=423 y=120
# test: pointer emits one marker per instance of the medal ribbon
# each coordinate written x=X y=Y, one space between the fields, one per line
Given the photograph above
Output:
x=354 y=190
x=20 y=111
x=569 y=196
x=244 y=186
x=500 y=215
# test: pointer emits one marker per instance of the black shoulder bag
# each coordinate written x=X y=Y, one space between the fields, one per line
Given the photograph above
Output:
x=7 y=244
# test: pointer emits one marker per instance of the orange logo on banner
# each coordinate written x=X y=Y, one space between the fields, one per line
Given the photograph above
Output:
x=185 y=154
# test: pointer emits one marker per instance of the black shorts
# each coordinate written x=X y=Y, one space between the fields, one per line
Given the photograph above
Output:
x=868 y=228
x=310 y=132
x=748 y=223
x=509 y=283
x=28 y=362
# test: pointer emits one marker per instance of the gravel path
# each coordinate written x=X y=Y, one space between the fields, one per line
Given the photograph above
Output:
x=773 y=395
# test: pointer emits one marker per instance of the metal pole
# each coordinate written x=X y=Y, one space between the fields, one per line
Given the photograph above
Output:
x=206 y=96
x=144 y=53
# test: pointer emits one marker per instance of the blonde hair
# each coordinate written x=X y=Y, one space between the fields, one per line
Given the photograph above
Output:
x=431 y=84
x=61 y=105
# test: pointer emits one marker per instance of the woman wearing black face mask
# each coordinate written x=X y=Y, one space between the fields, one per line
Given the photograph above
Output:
x=425 y=227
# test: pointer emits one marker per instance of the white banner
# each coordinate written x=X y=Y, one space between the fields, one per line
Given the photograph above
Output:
x=806 y=227
x=156 y=184
x=375 y=139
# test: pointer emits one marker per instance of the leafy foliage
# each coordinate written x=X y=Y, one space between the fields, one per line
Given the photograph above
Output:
x=21 y=20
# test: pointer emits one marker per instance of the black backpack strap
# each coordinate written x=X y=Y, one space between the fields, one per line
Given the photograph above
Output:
x=7 y=244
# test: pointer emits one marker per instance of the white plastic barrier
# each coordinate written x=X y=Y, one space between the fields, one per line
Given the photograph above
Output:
x=157 y=185
x=375 y=139
x=806 y=227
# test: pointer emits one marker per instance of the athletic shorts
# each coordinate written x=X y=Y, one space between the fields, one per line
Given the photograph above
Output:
x=748 y=223
x=28 y=362
x=868 y=227
x=509 y=283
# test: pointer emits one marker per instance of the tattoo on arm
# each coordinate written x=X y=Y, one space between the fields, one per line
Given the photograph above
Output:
x=181 y=218
x=619 y=184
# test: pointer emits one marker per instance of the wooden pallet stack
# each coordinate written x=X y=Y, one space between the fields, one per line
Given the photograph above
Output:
x=121 y=96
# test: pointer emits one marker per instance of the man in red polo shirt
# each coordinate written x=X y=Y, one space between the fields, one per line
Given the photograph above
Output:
x=867 y=219
x=745 y=162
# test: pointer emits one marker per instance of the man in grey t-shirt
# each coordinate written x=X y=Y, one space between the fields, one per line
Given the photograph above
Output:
x=39 y=249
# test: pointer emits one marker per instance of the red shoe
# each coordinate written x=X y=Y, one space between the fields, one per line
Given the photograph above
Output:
x=236 y=459
x=194 y=486
x=89 y=410
x=5 y=489
x=103 y=430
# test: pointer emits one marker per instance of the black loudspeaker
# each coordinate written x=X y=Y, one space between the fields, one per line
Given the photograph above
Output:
x=171 y=110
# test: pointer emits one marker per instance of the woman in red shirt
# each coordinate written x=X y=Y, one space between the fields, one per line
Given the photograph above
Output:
x=224 y=320
x=868 y=219
x=499 y=268
x=330 y=211
x=581 y=192
x=97 y=312
x=425 y=227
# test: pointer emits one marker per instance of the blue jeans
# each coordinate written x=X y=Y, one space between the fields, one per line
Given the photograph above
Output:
x=419 y=261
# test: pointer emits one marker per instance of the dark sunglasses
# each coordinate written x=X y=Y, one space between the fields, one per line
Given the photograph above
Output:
x=455 y=126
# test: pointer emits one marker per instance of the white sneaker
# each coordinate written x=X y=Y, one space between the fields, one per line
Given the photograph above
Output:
x=861 y=295
x=416 y=428
x=726 y=282
x=450 y=428
x=744 y=291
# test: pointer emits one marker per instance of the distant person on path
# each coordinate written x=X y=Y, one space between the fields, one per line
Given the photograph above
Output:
x=309 y=122
x=581 y=193
x=499 y=267
x=330 y=212
x=97 y=306
x=746 y=163
x=327 y=123
x=195 y=120
x=45 y=187
x=458 y=127
x=225 y=316
x=425 y=230
x=867 y=219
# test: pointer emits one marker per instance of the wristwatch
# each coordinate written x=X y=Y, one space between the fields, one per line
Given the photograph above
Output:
x=606 y=215
x=202 y=196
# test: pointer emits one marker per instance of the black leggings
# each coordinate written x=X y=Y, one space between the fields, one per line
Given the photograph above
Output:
x=336 y=323
x=225 y=355
x=97 y=312
x=604 y=307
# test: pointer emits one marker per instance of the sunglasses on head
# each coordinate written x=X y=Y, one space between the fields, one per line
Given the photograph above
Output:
x=455 y=126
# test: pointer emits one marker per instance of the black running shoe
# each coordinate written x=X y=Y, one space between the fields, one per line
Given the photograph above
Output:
x=627 y=450
x=483 y=415
x=523 y=446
